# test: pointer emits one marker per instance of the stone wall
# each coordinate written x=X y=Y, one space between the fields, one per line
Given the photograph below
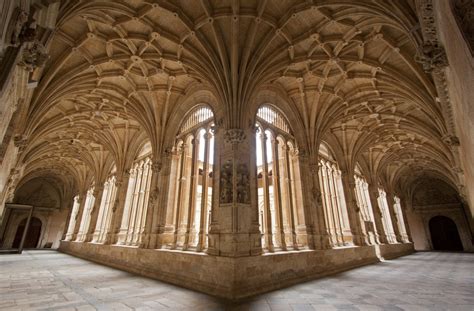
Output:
x=232 y=278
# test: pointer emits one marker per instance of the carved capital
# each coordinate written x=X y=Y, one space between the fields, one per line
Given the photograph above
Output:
x=234 y=136
x=34 y=56
x=432 y=57
x=451 y=140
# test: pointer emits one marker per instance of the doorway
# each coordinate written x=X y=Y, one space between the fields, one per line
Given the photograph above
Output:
x=33 y=235
x=444 y=234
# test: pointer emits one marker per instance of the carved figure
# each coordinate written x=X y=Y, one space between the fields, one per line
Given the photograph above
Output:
x=226 y=192
x=243 y=186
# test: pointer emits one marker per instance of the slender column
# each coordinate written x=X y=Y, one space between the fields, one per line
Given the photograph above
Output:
x=194 y=173
x=181 y=194
x=102 y=212
x=71 y=217
x=148 y=238
x=77 y=224
x=139 y=230
x=118 y=208
x=374 y=194
x=277 y=193
x=94 y=213
x=132 y=210
x=320 y=221
x=352 y=209
x=110 y=201
x=266 y=195
x=393 y=216
x=337 y=204
x=403 y=208
x=328 y=211
x=289 y=200
x=204 y=194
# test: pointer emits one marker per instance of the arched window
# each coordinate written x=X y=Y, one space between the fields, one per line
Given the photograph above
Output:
x=136 y=201
x=86 y=214
x=105 y=210
x=191 y=181
x=278 y=181
x=332 y=194
x=400 y=219
x=386 y=219
x=363 y=201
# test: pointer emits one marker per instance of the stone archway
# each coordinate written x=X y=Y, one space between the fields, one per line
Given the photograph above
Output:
x=33 y=235
x=444 y=234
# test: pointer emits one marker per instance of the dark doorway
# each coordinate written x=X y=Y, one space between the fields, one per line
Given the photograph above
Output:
x=32 y=238
x=444 y=234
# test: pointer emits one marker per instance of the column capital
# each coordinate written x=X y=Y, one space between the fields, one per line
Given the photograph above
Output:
x=234 y=136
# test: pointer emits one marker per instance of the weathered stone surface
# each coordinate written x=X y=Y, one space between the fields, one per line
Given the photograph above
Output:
x=228 y=277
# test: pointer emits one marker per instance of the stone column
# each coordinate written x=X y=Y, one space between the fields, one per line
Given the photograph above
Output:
x=268 y=232
x=234 y=230
x=181 y=193
x=118 y=206
x=393 y=216
x=322 y=240
x=353 y=209
x=289 y=200
x=205 y=193
x=374 y=194
x=80 y=212
x=277 y=194
x=98 y=192
x=149 y=236
x=403 y=208
x=192 y=193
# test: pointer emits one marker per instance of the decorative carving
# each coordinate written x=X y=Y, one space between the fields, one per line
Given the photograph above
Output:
x=34 y=57
x=234 y=136
x=243 y=185
x=156 y=167
x=19 y=23
x=451 y=140
x=432 y=56
x=154 y=196
x=225 y=186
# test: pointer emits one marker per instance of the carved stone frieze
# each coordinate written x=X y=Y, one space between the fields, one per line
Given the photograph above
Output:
x=234 y=136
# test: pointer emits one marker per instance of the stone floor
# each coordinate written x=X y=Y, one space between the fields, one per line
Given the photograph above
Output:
x=47 y=280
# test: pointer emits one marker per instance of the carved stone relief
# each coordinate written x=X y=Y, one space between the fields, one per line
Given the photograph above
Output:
x=243 y=185
x=225 y=186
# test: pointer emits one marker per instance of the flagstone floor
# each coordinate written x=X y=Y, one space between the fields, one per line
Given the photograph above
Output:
x=49 y=280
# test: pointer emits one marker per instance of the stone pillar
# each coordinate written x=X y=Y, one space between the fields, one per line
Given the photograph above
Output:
x=393 y=216
x=68 y=219
x=98 y=192
x=117 y=208
x=321 y=240
x=353 y=209
x=205 y=178
x=181 y=194
x=192 y=193
x=234 y=230
x=149 y=237
x=268 y=232
x=403 y=208
x=374 y=194
x=290 y=194
x=277 y=194
x=80 y=212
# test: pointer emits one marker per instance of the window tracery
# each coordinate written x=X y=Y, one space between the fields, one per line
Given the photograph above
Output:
x=366 y=210
x=105 y=211
x=278 y=182
x=191 y=171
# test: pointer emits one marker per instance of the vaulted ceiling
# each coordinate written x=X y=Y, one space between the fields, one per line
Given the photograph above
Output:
x=118 y=70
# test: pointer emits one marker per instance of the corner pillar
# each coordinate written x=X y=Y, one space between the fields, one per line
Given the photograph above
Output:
x=234 y=229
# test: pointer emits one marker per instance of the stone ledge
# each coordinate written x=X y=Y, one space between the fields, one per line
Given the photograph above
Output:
x=232 y=278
